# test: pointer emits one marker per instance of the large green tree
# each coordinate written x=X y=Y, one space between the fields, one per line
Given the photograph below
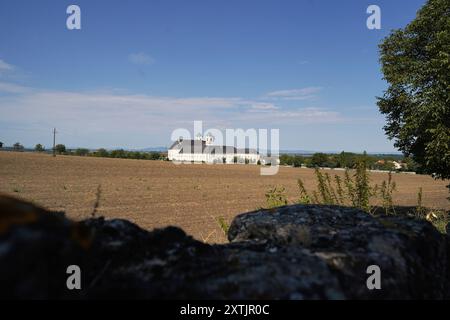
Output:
x=416 y=64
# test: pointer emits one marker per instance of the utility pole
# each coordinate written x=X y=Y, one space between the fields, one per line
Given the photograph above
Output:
x=54 y=142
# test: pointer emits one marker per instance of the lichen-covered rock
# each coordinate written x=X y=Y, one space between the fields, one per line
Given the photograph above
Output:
x=297 y=252
x=411 y=253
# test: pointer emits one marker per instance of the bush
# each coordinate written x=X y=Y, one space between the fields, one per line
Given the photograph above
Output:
x=39 y=148
x=276 y=197
x=386 y=190
x=223 y=225
x=319 y=159
x=102 y=153
x=18 y=147
x=81 y=152
x=120 y=153
x=353 y=190
x=60 y=148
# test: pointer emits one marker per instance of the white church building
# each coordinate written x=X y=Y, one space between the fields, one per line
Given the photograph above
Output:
x=203 y=150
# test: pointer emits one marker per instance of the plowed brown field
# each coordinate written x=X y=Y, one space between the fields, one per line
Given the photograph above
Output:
x=156 y=193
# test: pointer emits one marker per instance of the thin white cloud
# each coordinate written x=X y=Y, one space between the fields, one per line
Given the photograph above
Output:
x=141 y=58
x=296 y=116
x=6 y=87
x=114 y=118
x=5 y=66
x=109 y=112
x=262 y=107
x=307 y=93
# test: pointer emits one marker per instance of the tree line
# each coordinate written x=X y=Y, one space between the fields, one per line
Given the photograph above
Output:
x=118 y=153
x=102 y=152
x=349 y=160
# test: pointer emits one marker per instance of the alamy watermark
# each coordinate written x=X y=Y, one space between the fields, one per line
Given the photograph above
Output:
x=73 y=281
x=373 y=22
x=374 y=280
x=73 y=21
x=249 y=146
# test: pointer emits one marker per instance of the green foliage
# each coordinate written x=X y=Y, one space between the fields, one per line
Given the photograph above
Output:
x=223 y=225
x=101 y=153
x=354 y=190
x=60 y=148
x=339 y=190
x=319 y=159
x=411 y=165
x=362 y=187
x=39 y=148
x=304 y=196
x=386 y=166
x=350 y=188
x=419 y=208
x=120 y=153
x=440 y=221
x=81 y=152
x=323 y=188
x=416 y=64
x=386 y=191
x=18 y=147
x=276 y=197
x=291 y=160
x=154 y=156
x=349 y=160
x=346 y=160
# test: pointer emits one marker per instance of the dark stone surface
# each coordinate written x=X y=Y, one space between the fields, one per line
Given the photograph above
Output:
x=411 y=253
x=294 y=252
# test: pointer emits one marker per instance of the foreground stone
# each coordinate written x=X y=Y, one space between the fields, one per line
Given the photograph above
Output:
x=296 y=252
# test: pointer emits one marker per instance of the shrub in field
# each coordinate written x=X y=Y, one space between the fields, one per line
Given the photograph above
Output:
x=304 y=196
x=319 y=159
x=60 y=148
x=18 y=147
x=386 y=190
x=81 y=152
x=362 y=187
x=354 y=190
x=223 y=225
x=102 y=153
x=276 y=197
x=419 y=208
x=39 y=148
x=331 y=191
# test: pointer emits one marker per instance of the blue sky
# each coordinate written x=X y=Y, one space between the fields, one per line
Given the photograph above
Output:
x=137 y=70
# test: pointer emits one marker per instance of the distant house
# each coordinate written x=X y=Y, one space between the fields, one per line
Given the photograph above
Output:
x=396 y=165
x=203 y=150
